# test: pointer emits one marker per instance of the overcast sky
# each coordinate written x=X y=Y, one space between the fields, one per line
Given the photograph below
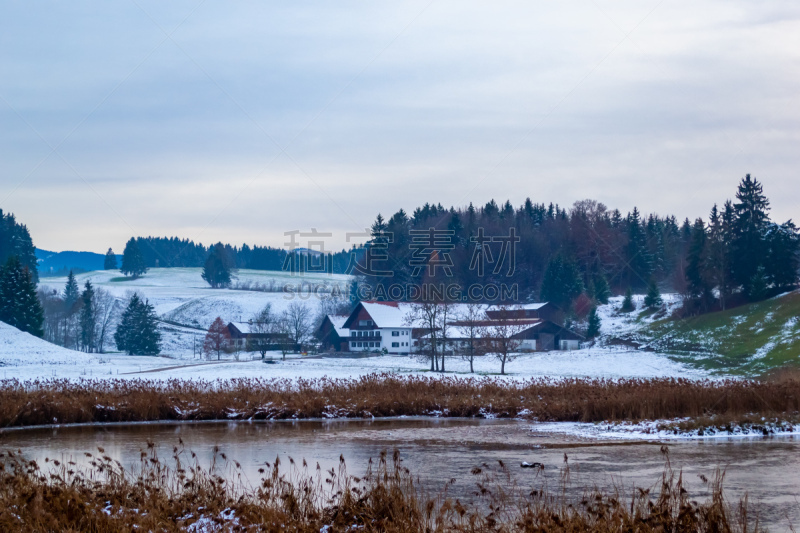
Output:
x=241 y=121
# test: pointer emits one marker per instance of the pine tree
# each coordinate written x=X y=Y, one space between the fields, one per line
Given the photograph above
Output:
x=699 y=288
x=653 y=298
x=456 y=227
x=88 y=319
x=491 y=210
x=217 y=271
x=627 y=303
x=354 y=292
x=19 y=304
x=782 y=255
x=602 y=292
x=638 y=258
x=757 y=288
x=378 y=229
x=137 y=332
x=593 y=329
x=16 y=240
x=718 y=251
x=110 y=262
x=561 y=283
x=71 y=293
x=749 y=235
x=132 y=260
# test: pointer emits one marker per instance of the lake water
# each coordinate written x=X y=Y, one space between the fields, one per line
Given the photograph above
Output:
x=437 y=450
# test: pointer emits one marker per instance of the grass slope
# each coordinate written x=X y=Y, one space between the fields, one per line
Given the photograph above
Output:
x=749 y=339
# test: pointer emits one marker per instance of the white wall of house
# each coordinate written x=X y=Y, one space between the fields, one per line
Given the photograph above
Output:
x=528 y=344
x=570 y=345
x=397 y=340
x=394 y=340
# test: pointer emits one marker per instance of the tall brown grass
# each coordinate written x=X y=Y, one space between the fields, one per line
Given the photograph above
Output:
x=65 y=402
x=180 y=495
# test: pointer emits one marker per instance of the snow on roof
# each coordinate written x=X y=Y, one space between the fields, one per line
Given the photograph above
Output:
x=389 y=314
x=528 y=307
x=247 y=327
x=533 y=306
x=338 y=324
x=244 y=327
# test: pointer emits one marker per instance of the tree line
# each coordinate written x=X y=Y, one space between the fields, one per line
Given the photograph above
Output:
x=561 y=255
x=166 y=252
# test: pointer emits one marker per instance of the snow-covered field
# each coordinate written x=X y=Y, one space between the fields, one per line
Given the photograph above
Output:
x=28 y=358
x=180 y=296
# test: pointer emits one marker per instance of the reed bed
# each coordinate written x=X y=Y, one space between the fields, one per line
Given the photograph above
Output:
x=386 y=395
x=180 y=495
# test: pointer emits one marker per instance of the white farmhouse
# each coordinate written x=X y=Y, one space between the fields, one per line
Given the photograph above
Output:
x=375 y=326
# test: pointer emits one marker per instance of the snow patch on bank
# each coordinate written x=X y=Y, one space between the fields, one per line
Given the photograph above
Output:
x=662 y=430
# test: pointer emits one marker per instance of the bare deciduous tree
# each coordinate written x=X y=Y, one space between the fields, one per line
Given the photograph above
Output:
x=107 y=309
x=262 y=324
x=432 y=317
x=297 y=318
x=283 y=328
x=501 y=336
x=444 y=316
x=52 y=305
x=470 y=319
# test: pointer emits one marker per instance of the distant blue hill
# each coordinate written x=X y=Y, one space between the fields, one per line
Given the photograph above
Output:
x=59 y=263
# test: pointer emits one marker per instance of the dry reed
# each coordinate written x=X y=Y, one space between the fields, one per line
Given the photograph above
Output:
x=66 y=402
x=180 y=495
x=386 y=395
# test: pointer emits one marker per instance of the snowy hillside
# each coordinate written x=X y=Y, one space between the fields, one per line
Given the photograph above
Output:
x=180 y=296
x=23 y=349
x=615 y=323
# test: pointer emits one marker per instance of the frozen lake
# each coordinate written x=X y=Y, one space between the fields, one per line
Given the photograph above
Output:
x=765 y=468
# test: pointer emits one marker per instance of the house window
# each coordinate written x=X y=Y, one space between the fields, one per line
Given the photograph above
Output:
x=395 y=345
x=395 y=334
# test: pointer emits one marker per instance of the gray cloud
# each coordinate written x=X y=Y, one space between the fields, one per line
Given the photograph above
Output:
x=381 y=107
